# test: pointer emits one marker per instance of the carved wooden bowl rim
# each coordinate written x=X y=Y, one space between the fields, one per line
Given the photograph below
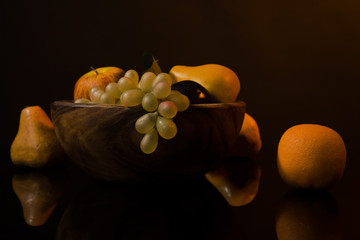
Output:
x=100 y=105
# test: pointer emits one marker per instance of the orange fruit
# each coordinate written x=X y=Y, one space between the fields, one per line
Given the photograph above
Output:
x=311 y=156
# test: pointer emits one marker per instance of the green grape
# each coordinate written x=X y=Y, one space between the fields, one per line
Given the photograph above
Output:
x=113 y=89
x=126 y=83
x=94 y=89
x=149 y=102
x=149 y=142
x=166 y=127
x=82 y=100
x=162 y=77
x=181 y=101
x=146 y=122
x=133 y=75
x=167 y=109
x=132 y=97
x=146 y=81
x=96 y=94
x=161 y=90
x=107 y=98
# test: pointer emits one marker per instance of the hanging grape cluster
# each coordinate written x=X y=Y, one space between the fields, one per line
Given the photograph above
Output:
x=153 y=92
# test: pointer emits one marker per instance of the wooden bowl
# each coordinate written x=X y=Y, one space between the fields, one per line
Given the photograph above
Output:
x=101 y=139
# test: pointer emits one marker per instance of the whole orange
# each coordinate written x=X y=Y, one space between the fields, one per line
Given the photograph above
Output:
x=311 y=156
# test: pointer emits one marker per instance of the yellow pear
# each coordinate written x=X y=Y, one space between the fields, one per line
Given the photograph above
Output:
x=35 y=144
x=221 y=82
x=39 y=193
x=248 y=143
x=238 y=181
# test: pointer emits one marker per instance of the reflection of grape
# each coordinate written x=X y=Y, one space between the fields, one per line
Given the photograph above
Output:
x=146 y=122
x=132 y=97
x=166 y=128
x=161 y=90
x=167 y=109
x=149 y=142
x=126 y=83
x=181 y=101
x=146 y=81
x=149 y=102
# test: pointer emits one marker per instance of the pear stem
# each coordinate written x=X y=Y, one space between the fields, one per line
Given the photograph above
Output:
x=94 y=69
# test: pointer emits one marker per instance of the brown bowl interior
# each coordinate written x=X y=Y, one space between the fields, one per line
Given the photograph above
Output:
x=102 y=140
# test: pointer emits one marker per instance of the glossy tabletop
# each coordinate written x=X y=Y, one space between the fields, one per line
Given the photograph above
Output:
x=64 y=203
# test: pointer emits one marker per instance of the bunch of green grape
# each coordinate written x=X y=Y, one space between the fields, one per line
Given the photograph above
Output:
x=153 y=92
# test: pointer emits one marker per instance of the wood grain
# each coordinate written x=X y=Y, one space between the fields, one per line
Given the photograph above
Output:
x=102 y=140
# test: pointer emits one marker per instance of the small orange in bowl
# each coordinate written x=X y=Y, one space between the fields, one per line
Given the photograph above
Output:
x=311 y=156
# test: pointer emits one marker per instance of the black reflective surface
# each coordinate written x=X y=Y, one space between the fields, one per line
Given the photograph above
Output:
x=64 y=203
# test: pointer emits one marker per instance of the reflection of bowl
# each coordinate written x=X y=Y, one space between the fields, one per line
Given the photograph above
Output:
x=189 y=209
x=102 y=140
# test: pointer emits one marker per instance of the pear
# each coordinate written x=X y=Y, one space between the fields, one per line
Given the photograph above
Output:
x=221 y=82
x=237 y=180
x=99 y=77
x=39 y=193
x=35 y=144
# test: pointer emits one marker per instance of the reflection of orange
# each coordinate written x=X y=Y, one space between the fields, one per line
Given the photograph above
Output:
x=311 y=156
x=308 y=215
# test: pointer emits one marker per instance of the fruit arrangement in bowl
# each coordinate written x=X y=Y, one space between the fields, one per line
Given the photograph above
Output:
x=127 y=126
x=154 y=125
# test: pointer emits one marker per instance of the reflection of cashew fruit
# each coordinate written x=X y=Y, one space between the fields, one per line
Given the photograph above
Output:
x=248 y=144
x=35 y=144
x=237 y=180
x=97 y=77
x=221 y=82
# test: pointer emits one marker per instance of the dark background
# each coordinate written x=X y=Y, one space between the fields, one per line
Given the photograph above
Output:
x=297 y=61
